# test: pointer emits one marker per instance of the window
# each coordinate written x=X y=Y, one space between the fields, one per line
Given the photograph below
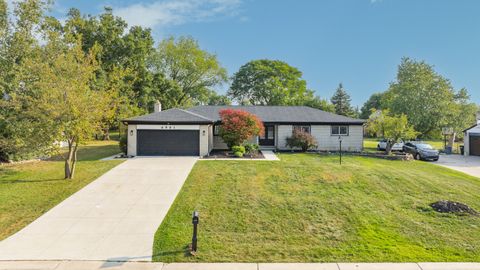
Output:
x=340 y=130
x=216 y=130
x=305 y=129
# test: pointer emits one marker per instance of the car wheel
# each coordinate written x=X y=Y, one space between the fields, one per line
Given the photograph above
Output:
x=417 y=156
x=436 y=159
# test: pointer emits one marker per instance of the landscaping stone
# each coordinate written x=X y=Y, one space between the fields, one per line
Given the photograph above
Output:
x=453 y=207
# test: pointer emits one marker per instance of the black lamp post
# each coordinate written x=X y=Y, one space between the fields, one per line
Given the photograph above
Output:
x=340 y=142
x=195 y=220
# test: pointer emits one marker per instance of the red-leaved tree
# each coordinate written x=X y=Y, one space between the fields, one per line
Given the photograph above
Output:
x=239 y=126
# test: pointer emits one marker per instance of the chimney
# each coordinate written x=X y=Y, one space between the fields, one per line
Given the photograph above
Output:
x=157 y=107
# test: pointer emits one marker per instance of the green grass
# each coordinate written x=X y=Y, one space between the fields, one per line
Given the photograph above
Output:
x=29 y=190
x=308 y=208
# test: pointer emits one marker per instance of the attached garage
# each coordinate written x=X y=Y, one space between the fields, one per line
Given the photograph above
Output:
x=474 y=141
x=168 y=143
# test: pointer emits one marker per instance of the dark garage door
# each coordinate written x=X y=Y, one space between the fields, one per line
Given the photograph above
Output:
x=168 y=142
x=475 y=145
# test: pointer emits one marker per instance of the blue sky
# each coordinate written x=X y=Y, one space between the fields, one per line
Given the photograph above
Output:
x=357 y=42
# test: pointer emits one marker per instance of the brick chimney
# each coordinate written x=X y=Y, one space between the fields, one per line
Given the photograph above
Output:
x=157 y=107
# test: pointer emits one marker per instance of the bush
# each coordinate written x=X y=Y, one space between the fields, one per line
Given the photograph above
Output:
x=238 y=154
x=251 y=148
x=302 y=140
x=238 y=148
x=238 y=126
x=123 y=143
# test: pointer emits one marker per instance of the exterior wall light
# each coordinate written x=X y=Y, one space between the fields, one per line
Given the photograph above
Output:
x=203 y=132
x=131 y=132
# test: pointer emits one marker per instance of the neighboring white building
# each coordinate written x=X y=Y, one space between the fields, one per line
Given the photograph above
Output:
x=195 y=131
x=472 y=139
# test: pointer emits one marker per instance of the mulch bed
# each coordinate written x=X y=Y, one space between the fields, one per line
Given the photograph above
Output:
x=227 y=154
x=453 y=207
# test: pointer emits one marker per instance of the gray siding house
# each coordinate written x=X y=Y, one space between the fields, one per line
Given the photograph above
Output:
x=194 y=131
x=472 y=139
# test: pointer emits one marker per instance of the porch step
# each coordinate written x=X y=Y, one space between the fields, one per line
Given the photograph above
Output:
x=267 y=147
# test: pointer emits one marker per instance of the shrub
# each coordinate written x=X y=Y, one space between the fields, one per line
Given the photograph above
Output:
x=238 y=154
x=123 y=143
x=239 y=126
x=303 y=140
x=251 y=148
x=238 y=148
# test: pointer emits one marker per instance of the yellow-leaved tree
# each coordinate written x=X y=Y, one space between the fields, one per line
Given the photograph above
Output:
x=60 y=96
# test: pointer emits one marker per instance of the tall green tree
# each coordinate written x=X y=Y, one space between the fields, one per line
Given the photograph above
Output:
x=18 y=43
x=374 y=102
x=341 y=100
x=122 y=56
x=60 y=96
x=191 y=72
x=428 y=99
x=269 y=82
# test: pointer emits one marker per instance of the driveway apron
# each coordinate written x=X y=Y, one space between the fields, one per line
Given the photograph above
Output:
x=466 y=164
x=113 y=218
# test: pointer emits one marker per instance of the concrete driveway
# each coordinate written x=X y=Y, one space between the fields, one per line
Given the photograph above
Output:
x=469 y=165
x=113 y=218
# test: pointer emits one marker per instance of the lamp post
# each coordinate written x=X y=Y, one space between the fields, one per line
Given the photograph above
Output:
x=195 y=221
x=340 y=142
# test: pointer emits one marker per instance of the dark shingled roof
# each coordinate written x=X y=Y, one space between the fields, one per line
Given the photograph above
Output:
x=170 y=116
x=269 y=114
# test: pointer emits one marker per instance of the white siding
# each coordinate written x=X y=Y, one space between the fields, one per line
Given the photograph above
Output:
x=283 y=132
x=210 y=138
x=204 y=149
x=466 y=139
x=132 y=140
x=353 y=142
x=326 y=142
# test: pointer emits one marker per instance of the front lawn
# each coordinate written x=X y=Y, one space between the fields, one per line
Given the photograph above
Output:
x=308 y=208
x=28 y=190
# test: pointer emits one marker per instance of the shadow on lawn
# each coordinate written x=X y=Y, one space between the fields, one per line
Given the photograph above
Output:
x=21 y=181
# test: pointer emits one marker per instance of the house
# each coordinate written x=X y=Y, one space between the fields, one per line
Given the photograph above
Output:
x=194 y=131
x=472 y=139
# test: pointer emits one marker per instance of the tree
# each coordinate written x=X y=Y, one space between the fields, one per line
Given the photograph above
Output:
x=321 y=104
x=65 y=103
x=192 y=70
x=269 y=82
x=122 y=56
x=424 y=96
x=302 y=139
x=216 y=99
x=391 y=127
x=461 y=114
x=18 y=43
x=239 y=126
x=374 y=102
x=341 y=101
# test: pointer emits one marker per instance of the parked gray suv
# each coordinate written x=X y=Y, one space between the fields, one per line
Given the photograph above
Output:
x=421 y=151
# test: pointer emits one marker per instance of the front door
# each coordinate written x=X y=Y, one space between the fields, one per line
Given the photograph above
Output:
x=268 y=139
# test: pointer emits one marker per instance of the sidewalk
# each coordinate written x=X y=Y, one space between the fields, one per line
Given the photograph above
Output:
x=96 y=265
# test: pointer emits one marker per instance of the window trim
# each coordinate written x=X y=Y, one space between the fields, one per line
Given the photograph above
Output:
x=301 y=128
x=339 y=127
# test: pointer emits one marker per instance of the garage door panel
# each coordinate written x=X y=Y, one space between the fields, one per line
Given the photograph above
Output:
x=168 y=142
x=474 y=141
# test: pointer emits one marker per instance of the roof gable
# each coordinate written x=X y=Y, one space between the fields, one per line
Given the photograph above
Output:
x=170 y=116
